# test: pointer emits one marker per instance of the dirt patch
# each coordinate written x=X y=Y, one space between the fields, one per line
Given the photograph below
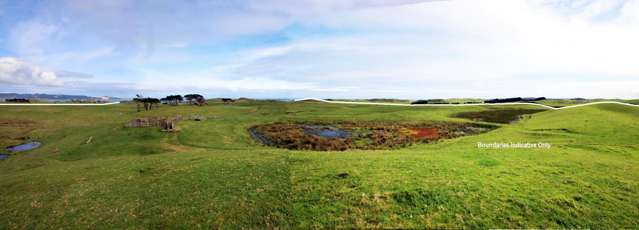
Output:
x=503 y=116
x=358 y=135
x=15 y=123
x=176 y=148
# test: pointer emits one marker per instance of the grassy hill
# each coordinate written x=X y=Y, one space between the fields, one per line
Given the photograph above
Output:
x=558 y=103
x=211 y=174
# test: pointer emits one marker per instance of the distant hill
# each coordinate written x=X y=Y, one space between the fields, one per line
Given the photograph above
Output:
x=52 y=97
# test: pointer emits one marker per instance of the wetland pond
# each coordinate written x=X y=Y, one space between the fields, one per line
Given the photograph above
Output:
x=341 y=136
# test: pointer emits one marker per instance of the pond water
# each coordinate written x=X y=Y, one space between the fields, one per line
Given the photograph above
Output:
x=24 y=147
x=3 y=156
x=324 y=131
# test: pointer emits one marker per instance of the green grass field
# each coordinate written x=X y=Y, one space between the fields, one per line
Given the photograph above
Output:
x=211 y=174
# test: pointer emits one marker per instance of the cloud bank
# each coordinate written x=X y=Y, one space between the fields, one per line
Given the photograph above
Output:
x=14 y=71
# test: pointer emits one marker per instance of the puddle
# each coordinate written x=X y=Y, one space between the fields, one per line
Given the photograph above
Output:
x=24 y=147
x=3 y=156
x=359 y=135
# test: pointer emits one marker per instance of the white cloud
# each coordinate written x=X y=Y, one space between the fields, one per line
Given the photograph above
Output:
x=14 y=71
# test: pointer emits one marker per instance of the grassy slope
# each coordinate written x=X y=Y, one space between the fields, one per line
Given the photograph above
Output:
x=558 y=103
x=587 y=179
x=212 y=174
x=633 y=101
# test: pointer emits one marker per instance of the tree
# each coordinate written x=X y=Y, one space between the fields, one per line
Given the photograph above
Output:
x=147 y=102
x=200 y=101
x=152 y=101
x=178 y=99
x=191 y=97
x=173 y=99
x=195 y=98
x=138 y=100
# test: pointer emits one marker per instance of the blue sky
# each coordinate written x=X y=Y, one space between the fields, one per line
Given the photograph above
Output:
x=321 y=48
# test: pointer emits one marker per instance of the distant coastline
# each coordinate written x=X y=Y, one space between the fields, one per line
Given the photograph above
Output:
x=55 y=97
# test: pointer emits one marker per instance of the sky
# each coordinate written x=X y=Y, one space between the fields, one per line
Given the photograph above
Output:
x=321 y=48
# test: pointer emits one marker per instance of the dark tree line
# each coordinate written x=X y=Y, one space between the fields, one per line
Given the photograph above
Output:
x=148 y=103
x=515 y=99
x=18 y=100
x=173 y=99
